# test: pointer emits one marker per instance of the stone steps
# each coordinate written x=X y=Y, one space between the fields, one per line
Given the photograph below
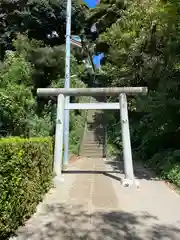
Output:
x=93 y=142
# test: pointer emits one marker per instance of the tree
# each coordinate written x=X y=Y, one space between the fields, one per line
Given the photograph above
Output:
x=17 y=104
x=144 y=51
x=38 y=19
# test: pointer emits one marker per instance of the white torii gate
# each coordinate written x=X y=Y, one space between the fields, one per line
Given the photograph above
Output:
x=61 y=93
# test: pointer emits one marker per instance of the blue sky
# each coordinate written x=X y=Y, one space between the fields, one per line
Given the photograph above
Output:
x=97 y=60
x=91 y=3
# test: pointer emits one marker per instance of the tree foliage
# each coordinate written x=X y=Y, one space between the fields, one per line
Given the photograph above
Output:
x=37 y=18
x=18 y=106
x=144 y=51
x=141 y=42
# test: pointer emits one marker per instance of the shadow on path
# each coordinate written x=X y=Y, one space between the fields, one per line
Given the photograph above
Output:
x=140 y=171
x=61 y=221
x=109 y=174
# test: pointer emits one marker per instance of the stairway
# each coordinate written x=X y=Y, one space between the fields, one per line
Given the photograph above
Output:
x=93 y=144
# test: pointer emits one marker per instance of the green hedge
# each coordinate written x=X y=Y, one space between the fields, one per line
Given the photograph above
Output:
x=25 y=176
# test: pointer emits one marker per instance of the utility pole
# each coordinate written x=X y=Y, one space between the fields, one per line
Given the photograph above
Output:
x=67 y=81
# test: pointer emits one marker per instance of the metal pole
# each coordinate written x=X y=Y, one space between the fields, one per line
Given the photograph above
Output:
x=127 y=154
x=58 y=149
x=67 y=81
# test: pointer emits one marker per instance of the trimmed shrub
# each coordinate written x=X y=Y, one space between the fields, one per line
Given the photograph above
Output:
x=25 y=176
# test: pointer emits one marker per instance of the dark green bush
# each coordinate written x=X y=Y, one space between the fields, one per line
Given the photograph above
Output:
x=25 y=176
x=167 y=165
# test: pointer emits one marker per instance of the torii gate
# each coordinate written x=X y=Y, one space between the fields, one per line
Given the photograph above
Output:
x=61 y=93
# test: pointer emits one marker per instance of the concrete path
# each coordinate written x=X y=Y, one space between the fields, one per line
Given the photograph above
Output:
x=92 y=204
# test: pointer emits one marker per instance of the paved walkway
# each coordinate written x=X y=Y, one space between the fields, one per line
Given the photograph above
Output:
x=92 y=204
